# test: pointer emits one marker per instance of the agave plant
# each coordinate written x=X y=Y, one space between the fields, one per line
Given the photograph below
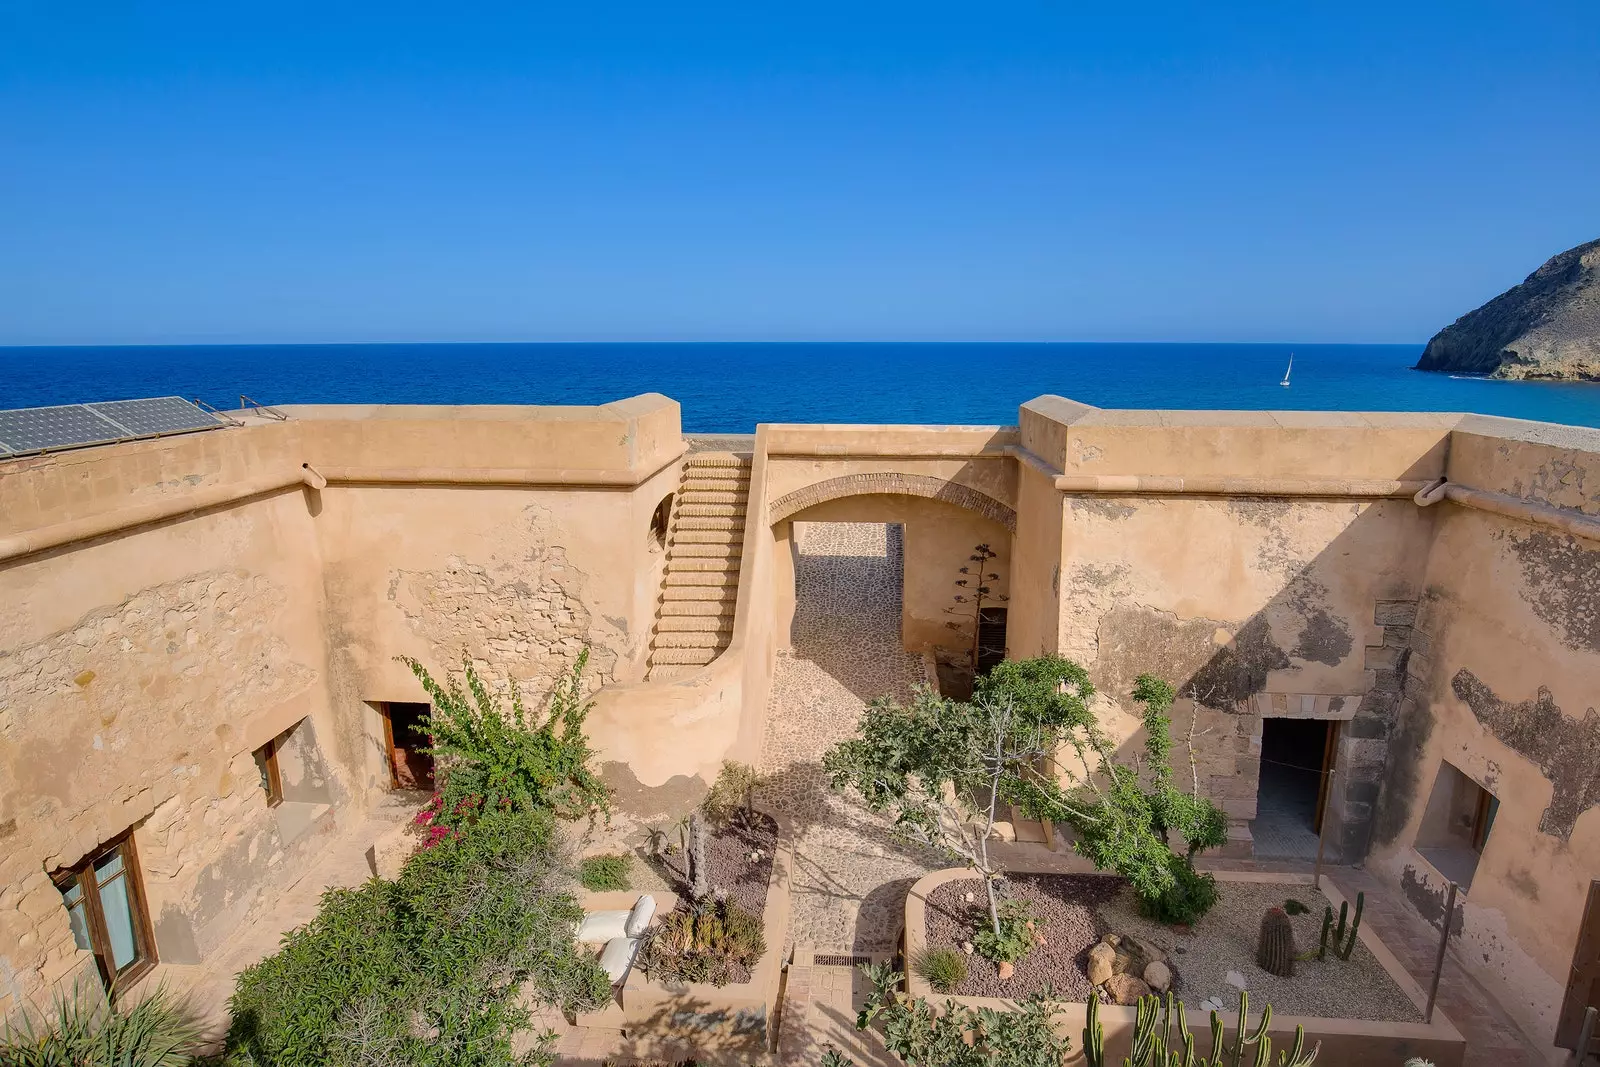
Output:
x=87 y=1029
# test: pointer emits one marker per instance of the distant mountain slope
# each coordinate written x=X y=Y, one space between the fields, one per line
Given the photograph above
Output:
x=1546 y=328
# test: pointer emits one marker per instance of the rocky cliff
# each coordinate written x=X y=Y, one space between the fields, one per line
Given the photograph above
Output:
x=1548 y=327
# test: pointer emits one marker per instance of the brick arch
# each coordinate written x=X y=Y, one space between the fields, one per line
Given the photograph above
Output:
x=892 y=484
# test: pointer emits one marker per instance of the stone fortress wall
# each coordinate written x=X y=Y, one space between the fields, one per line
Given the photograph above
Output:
x=170 y=605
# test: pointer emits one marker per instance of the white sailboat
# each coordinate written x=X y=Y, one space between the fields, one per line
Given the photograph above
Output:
x=1285 y=382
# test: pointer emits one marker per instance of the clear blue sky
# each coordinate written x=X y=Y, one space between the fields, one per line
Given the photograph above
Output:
x=285 y=171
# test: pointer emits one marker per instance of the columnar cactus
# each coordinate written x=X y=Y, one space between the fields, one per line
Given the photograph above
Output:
x=1275 y=947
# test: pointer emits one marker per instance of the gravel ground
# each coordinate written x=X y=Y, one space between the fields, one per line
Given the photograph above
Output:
x=1225 y=940
x=1063 y=906
x=742 y=881
x=1077 y=909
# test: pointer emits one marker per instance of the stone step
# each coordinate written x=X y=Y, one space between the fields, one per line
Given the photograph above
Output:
x=714 y=624
x=702 y=579
x=684 y=566
x=696 y=487
x=691 y=497
x=732 y=523
x=706 y=537
x=716 y=479
x=717 y=459
x=722 y=551
x=701 y=608
x=667 y=671
x=712 y=511
x=692 y=639
x=682 y=656
x=679 y=593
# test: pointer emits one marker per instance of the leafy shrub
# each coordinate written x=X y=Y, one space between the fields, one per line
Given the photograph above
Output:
x=1295 y=907
x=944 y=968
x=87 y=1030
x=732 y=795
x=708 y=945
x=425 y=970
x=955 y=1035
x=1015 y=937
x=494 y=760
x=602 y=874
x=1189 y=897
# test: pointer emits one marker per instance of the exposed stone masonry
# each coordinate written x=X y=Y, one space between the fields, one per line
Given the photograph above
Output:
x=154 y=671
x=525 y=617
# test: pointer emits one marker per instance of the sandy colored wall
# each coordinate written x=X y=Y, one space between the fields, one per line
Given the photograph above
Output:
x=136 y=675
x=938 y=540
x=663 y=742
x=1253 y=605
x=1034 y=616
x=1503 y=671
x=140 y=668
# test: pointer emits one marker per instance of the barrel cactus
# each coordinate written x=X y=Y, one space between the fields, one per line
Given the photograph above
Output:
x=1275 y=949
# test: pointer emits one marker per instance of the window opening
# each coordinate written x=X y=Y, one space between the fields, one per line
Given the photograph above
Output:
x=267 y=765
x=1456 y=823
x=660 y=521
x=104 y=898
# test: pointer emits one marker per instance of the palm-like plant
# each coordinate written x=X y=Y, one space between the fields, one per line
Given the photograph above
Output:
x=89 y=1030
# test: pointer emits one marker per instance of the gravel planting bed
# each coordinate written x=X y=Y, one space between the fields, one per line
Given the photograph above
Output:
x=734 y=875
x=1063 y=906
x=1075 y=910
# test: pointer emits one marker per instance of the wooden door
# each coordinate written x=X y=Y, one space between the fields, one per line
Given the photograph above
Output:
x=1583 y=986
x=410 y=765
x=1330 y=756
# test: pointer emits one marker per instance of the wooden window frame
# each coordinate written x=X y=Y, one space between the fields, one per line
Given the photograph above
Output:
x=82 y=874
x=268 y=755
x=1481 y=818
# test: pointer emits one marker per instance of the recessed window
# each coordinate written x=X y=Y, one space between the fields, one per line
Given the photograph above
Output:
x=1456 y=824
x=660 y=521
x=104 y=897
x=267 y=765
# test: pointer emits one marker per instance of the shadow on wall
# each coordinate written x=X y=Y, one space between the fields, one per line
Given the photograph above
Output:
x=1341 y=580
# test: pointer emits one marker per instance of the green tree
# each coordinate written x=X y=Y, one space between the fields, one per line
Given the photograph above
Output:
x=1125 y=824
x=941 y=770
x=491 y=758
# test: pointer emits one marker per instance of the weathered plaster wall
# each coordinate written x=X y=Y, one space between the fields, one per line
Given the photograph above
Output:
x=1503 y=672
x=518 y=580
x=139 y=669
x=136 y=675
x=1253 y=606
x=938 y=540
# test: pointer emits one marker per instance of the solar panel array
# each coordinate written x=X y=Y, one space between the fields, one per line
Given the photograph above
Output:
x=28 y=430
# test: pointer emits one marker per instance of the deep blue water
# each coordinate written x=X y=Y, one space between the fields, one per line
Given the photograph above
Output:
x=730 y=387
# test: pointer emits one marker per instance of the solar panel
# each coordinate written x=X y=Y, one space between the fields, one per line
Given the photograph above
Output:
x=25 y=430
x=165 y=414
x=37 y=429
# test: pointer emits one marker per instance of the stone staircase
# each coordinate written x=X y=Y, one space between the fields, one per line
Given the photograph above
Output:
x=694 y=618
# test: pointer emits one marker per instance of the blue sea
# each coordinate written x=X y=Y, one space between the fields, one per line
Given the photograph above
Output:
x=729 y=387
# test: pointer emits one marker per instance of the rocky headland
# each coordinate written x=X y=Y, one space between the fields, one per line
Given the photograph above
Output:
x=1547 y=328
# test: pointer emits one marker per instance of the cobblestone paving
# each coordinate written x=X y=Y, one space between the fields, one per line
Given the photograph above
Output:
x=851 y=875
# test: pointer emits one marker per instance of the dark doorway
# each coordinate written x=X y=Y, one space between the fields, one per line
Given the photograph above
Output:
x=991 y=638
x=410 y=765
x=1290 y=798
x=1583 y=985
